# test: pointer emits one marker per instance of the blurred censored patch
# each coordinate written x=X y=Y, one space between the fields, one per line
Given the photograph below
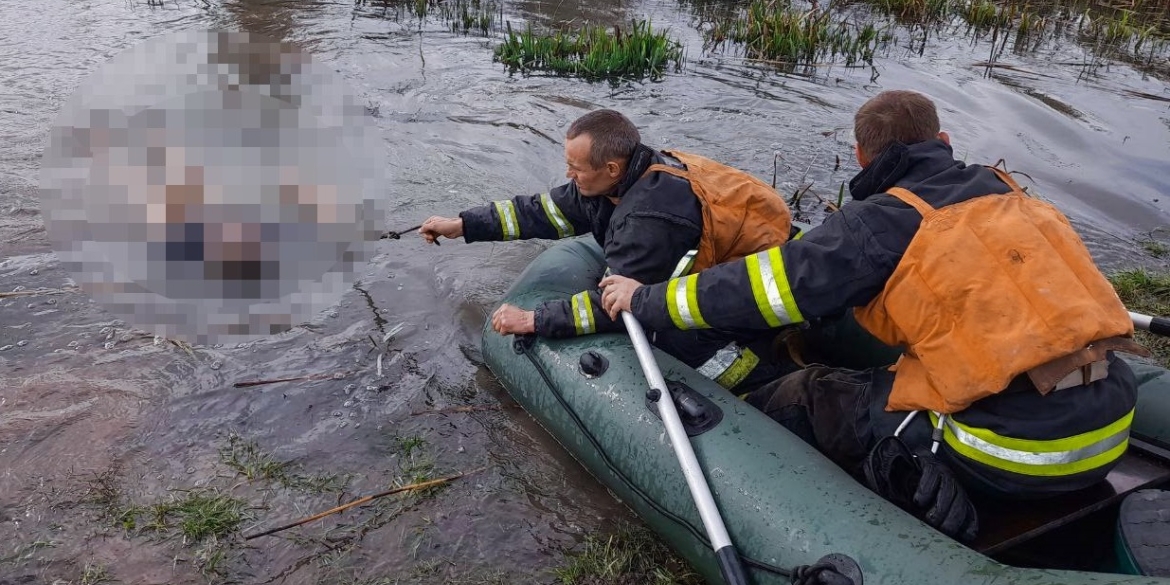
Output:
x=213 y=186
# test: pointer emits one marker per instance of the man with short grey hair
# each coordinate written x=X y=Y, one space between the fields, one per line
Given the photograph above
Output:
x=656 y=214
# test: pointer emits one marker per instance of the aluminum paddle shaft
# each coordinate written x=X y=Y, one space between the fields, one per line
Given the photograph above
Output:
x=1158 y=325
x=729 y=563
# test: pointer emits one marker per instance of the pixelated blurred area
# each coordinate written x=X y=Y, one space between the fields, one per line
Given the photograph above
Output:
x=213 y=186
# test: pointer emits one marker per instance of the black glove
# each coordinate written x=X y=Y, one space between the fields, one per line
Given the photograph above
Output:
x=946 y=505
x=923 y=486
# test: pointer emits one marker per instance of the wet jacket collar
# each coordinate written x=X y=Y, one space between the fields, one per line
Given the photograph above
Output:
x=642 y=158
x=897 y=163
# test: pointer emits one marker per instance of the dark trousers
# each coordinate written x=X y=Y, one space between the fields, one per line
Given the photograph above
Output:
x=842 y=413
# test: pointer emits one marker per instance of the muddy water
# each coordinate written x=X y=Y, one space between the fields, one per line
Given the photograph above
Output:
x=90 y=406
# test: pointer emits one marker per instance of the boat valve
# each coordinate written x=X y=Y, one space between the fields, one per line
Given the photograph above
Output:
x=689 y=405
x=593 y=364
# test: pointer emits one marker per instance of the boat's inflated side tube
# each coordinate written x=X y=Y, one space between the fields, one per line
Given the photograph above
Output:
x=784 y=504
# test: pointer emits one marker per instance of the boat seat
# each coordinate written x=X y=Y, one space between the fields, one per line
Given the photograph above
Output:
x=1005 y=525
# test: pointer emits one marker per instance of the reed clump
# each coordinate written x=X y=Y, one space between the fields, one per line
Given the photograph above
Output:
x=460 y=16
x=777 y=30
x=808 y=31
x=1141 y=27
x=595 y=52
x=470 y=16
x=917 y=11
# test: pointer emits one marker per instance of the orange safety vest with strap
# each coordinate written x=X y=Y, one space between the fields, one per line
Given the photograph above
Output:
x=742 y=215
x=988 y=289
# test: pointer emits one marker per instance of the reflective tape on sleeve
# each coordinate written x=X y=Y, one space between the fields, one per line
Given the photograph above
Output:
x=509 y=224
x=555 y=217
x=683 y=304
x=770 y=288
x=583 y=314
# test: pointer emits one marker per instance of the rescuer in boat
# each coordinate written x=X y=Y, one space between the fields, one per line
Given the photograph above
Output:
x=1007 y=326
x=656 y=215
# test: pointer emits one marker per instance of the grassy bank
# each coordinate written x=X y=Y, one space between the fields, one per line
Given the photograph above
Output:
x=1147 y=293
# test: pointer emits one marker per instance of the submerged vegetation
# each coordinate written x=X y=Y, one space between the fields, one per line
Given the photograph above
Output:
x=593 y=52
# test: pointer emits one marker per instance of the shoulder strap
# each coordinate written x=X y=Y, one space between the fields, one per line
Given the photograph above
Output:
x=1006 y=178
x=666 y=169
x=905 y=196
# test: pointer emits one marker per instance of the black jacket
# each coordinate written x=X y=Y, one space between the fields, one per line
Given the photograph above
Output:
x=845 y=261
x=659 y=219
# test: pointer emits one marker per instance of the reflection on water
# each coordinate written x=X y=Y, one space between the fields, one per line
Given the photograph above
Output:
x=82 y=394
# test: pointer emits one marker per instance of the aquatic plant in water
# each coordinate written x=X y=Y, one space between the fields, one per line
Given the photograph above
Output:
x=776 y=30
x=594 y=52
x=803 y=33
x=465 y=16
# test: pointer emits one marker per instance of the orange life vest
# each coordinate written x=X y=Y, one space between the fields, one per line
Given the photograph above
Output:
x=742 y=215
x=988 y=289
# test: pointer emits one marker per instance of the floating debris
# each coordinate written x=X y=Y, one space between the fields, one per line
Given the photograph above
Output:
x=360 y=501
x=463 y=409
x=20 y=291
x=335 y=376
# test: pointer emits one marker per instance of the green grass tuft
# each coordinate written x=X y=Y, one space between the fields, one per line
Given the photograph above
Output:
x=196 y=516
x=593 y=53
x=1147 y=293
x=632 y=555
x=246 y=458
x=1155 y=248
x=95 y=575
x=776 y=30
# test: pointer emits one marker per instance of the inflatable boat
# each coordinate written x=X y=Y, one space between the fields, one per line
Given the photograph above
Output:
x=784 y=504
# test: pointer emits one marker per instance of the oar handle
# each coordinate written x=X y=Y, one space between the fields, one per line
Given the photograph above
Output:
x=1156 y=325
x=729 y=562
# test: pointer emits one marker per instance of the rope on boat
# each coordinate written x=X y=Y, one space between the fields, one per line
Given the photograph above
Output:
x=823 y=572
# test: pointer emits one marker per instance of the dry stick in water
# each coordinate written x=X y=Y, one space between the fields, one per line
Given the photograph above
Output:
x=398 y=235
x=296 y=379
x=25 y=293
x=360 y=501
x=465 y=409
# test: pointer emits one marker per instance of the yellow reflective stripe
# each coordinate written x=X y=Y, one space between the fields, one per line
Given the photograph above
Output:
x=555 y=217
x=684 y=265
x=508 y=221
x=744 y=363
x=740 y=368
x=799 y=235
x=1042 y=458
x=683 y=304
x=730 y=365
x=770 y=288
x=583 y=314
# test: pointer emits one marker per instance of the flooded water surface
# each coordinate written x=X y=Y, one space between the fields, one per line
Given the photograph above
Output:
x=141 y=460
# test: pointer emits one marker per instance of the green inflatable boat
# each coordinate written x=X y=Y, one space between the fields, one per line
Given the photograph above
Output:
x=783 y=503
